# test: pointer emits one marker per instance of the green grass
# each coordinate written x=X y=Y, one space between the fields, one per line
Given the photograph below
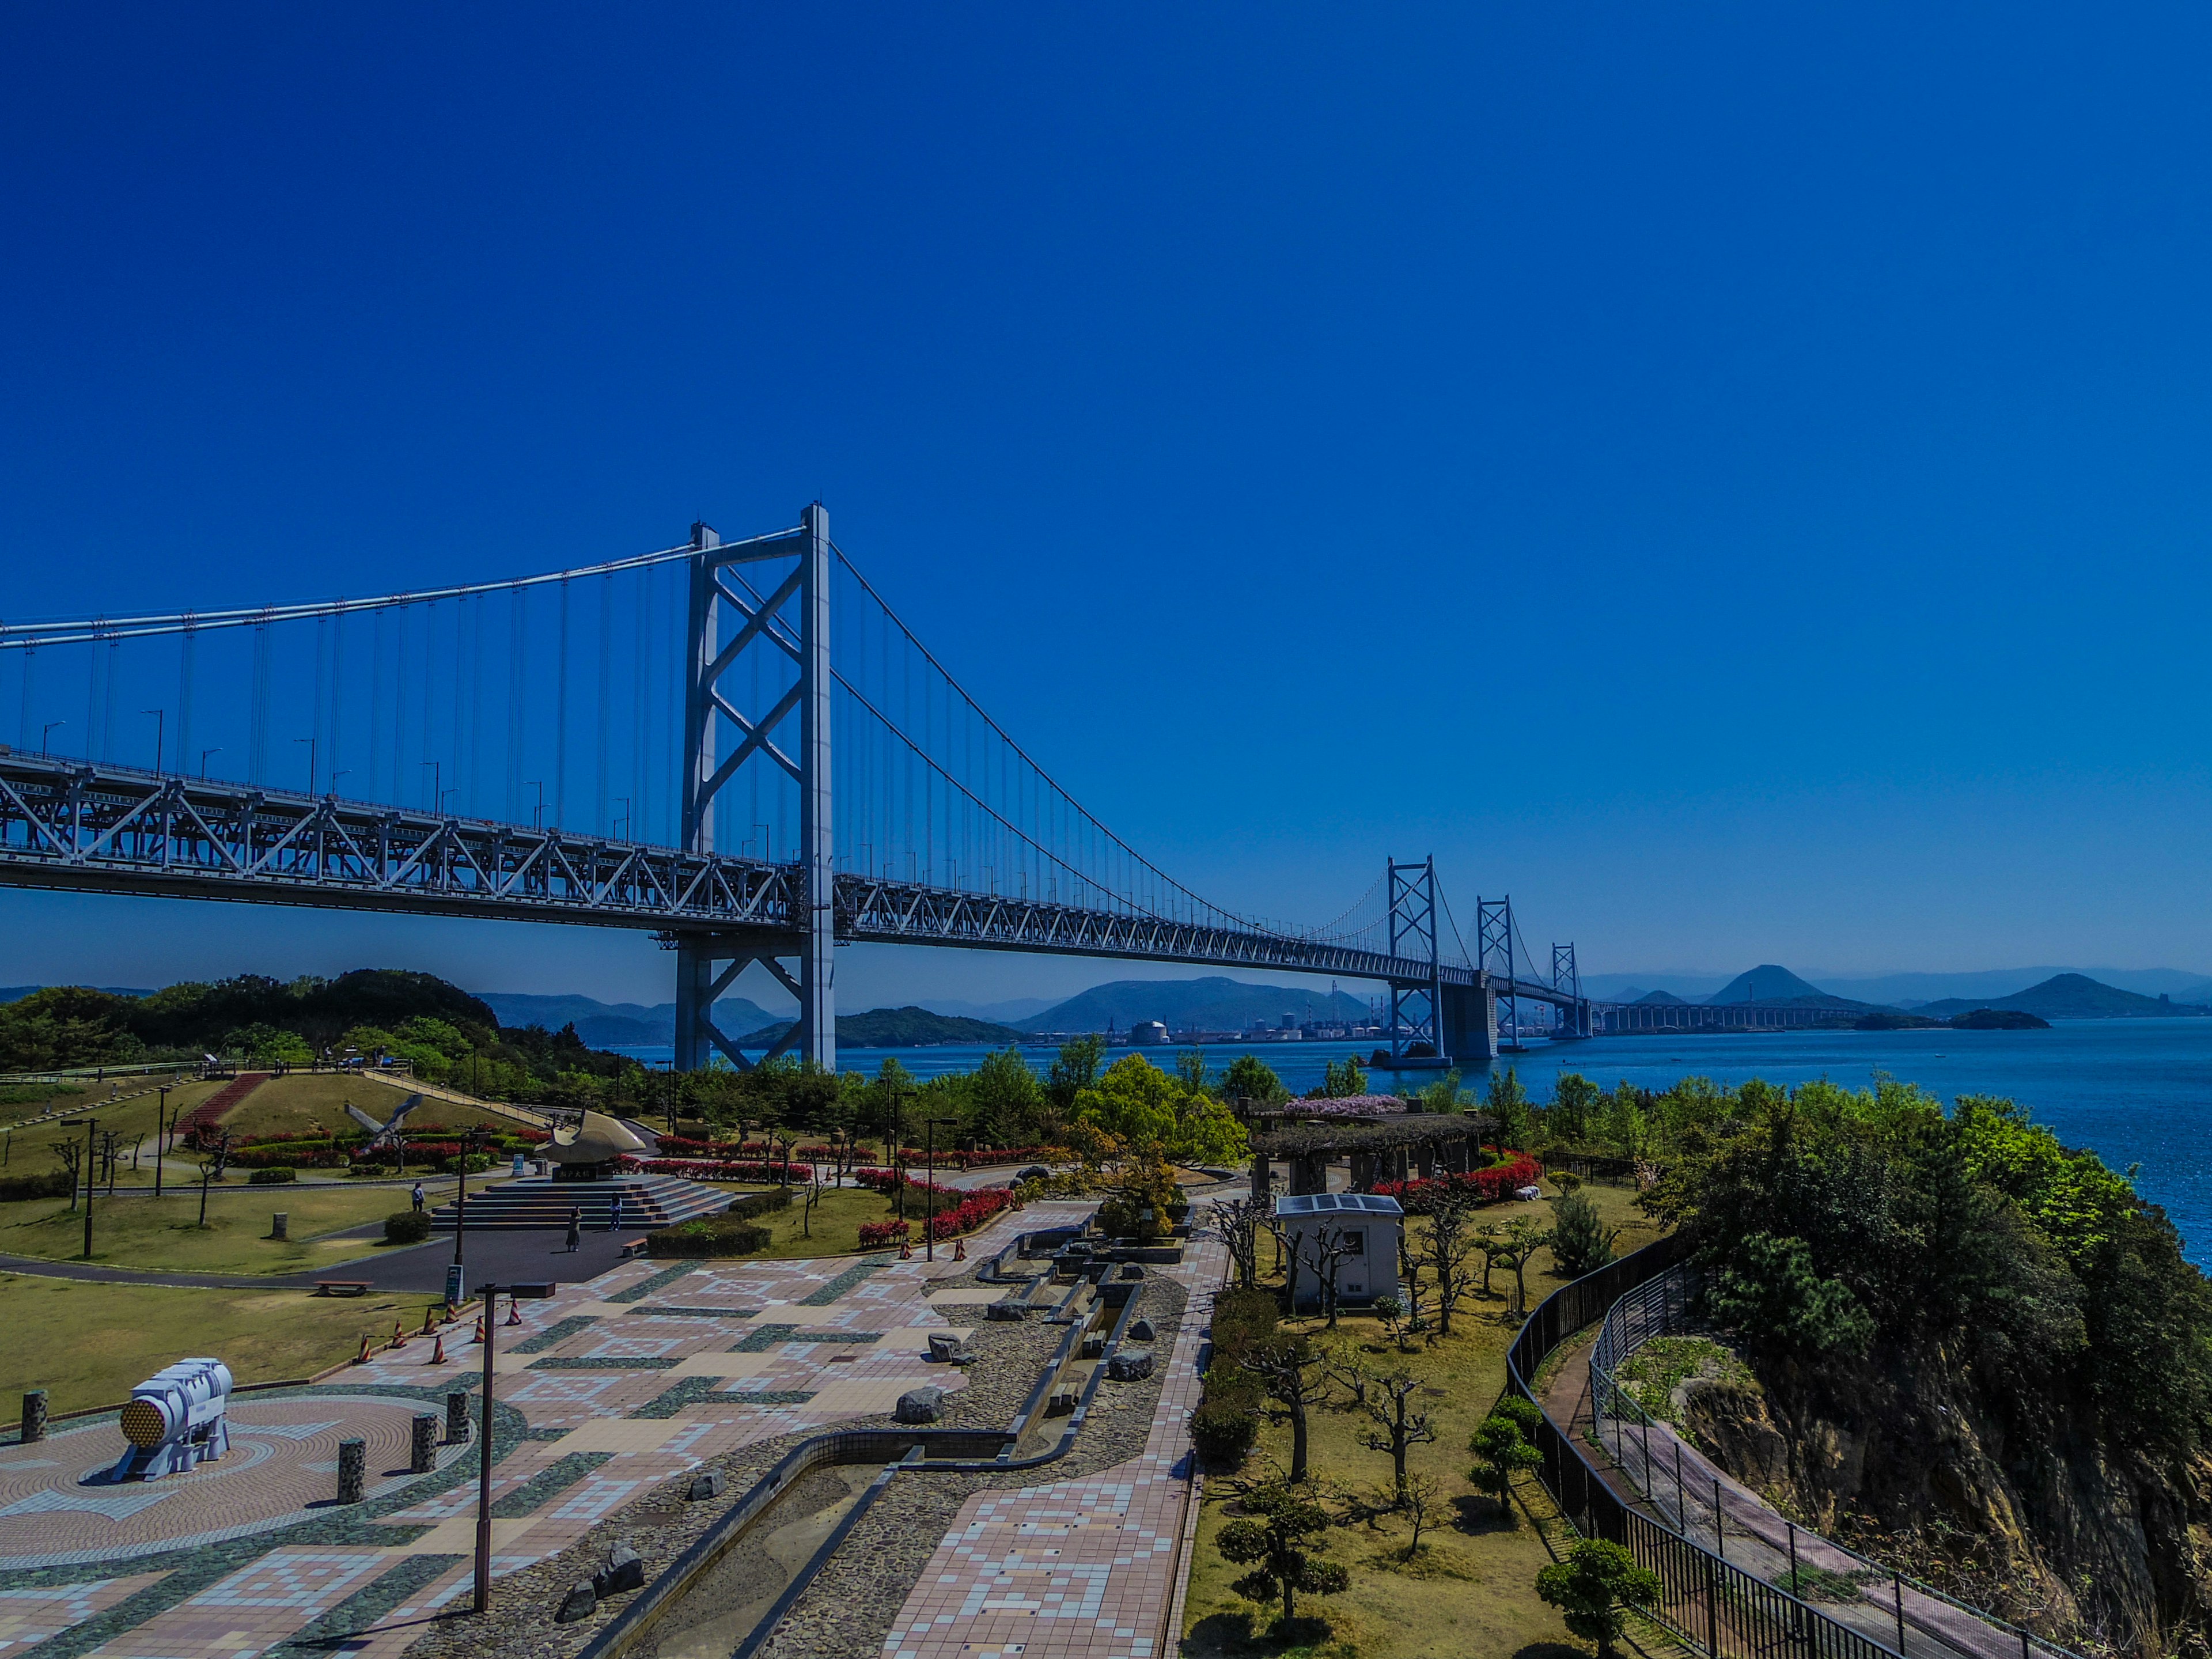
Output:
x=28 y=1151
x=164 y=1233
x=1656 y=1368
x=1472 y=1587
x=88 y=1345
x=836 y=1223
x=308 y=1102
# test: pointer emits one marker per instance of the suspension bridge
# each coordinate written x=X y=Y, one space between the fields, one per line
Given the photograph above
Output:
x=647 y=743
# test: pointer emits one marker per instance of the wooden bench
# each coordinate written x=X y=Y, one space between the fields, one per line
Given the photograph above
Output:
x=342 y=1287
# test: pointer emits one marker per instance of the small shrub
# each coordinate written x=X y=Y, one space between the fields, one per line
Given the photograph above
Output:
x=275 y=1175
x=407 y=1226
x=54 y=1184
x=710 y=1236
x=1223 y=1431
x=874 y=1233
x=1581 y=1242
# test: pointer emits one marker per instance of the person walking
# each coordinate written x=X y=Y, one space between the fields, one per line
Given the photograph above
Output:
x=417 y=1196
x=614 y=1215
x=575 y=1229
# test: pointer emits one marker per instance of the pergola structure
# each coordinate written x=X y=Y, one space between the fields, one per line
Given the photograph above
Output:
x=1397 y=1148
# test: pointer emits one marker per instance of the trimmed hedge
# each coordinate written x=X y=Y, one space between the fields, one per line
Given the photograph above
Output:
x=56 y=1183
x=733 y=1232
x=276 y=1175
x=407 y=1226
x=1226 y=1421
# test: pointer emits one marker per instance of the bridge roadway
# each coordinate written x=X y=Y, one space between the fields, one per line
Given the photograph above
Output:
x=66 y=823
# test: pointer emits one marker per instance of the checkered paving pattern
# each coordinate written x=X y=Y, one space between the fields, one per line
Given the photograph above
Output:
x=1079 y=1569
x=823 y=1341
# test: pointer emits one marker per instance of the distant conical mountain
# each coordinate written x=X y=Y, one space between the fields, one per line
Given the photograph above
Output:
x=1662 y=998
x=1215 y=1003
x=2065 y=996
x=1769 y=982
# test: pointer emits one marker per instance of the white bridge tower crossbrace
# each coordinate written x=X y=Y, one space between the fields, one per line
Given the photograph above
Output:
x=776 y=619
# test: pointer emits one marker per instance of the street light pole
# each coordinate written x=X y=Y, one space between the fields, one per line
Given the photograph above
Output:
x=483 y=1437
x=204 y=753
x=929 y=1184
x=160 y=726
x=160 y=1135
x=310 y=741
x=88 y=1124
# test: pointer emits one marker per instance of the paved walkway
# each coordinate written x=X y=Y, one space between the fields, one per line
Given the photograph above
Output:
x=1088 y=1568
x=605 y=1392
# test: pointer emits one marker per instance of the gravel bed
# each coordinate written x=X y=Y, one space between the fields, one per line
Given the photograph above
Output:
x=851 y=1605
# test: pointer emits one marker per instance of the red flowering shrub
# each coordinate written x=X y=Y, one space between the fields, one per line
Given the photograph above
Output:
x=1488 y=1186
x=882 y=1232
x=702 y=1169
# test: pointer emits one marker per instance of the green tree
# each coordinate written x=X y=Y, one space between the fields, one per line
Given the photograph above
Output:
x=1501 y=1451
x=1767 y=1289
x=1508 y=1104
x=1074 y=1071
x=1444 y=1095
x=1006 y=1102
x=1279 y=1538
x=1190 y=1069
x=1250 y=1078
x=1137 y=1104
x=1581 y=1242
x=1574 y=1103
x=1341 y=1080
x=1590 y=1588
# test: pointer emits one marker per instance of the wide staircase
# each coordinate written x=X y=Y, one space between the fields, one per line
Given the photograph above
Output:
x=648 y=1202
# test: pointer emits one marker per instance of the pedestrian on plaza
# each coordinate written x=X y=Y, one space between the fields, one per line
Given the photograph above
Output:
x=575 y=1229
x=614 y=1216
x=418 y=1196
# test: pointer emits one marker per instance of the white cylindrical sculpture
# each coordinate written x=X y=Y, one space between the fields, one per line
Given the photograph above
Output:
x=175 y=1420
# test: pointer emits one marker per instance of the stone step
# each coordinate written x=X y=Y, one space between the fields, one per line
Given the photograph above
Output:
x=648 y=1202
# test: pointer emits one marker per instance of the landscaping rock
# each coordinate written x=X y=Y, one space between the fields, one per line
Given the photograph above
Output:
x=705 y=1485
x=1130 y=1364
x=623 y=1571
x=1132 y=1270
x=1141 y=1331
x=581 y=1602
x=944 y=1347
x=920 y=1406
x=1006 y=1311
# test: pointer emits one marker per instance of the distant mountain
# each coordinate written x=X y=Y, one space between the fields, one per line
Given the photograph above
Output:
x=1910 y=990
x=1772 y=984
x=2067 y=996
x=618 y=1024
x=899 y=1028
x=1213 y=1004
x=17 y=992
x=1000 y=1013
x=1661 y=1000
x=1627 y=987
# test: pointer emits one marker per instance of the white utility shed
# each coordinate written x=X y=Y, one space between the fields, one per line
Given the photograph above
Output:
x=1370 y=1226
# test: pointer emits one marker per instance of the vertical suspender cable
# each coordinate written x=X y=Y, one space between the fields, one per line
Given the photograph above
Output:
x=185 y=650
x=376 y=706
x=517 y=637
x=258 y=745
x=640 y=679
x=30 y=662
x=599 y=825
x=476 y=705
x=429 y=658
x=337 y=698
x=456 y=766
x=398 y=704
x=560 y=719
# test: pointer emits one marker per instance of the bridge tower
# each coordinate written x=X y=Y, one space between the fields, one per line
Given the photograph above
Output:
x=1416 y=1005
x=1567 y=979
x=781 y=623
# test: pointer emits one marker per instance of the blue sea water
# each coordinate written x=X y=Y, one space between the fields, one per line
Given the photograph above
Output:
x=2138 y=1092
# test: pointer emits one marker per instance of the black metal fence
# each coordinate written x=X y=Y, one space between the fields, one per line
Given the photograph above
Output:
x=1708 y=1602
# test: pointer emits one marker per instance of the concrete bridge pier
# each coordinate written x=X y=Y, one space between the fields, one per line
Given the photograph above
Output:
x=1470 y=1023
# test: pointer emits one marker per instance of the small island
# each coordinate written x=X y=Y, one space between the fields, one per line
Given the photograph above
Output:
x=1976 y=1019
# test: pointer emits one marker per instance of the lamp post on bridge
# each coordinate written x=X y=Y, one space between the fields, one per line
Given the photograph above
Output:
x=161 y=724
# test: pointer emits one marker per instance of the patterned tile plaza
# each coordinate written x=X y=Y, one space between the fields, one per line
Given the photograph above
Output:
x=253 y=1556
x=1087 y=1569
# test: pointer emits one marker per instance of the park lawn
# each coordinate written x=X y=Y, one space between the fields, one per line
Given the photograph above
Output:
x=1472 y=1587
x=88 y=1345
x=303 y=1102
x=164 y=1234
x=131 y=1115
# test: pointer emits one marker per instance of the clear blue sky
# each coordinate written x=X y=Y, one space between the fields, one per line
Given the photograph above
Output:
x=1734 y=476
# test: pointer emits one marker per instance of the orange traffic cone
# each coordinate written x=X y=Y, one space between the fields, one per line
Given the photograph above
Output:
x=399 y=1334
x=437 y=1352
x=513 y=1311
x=478 y=1337
x=906 y=1250
x=362 y=1359
x=960 y=1250
x=431 y=1319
